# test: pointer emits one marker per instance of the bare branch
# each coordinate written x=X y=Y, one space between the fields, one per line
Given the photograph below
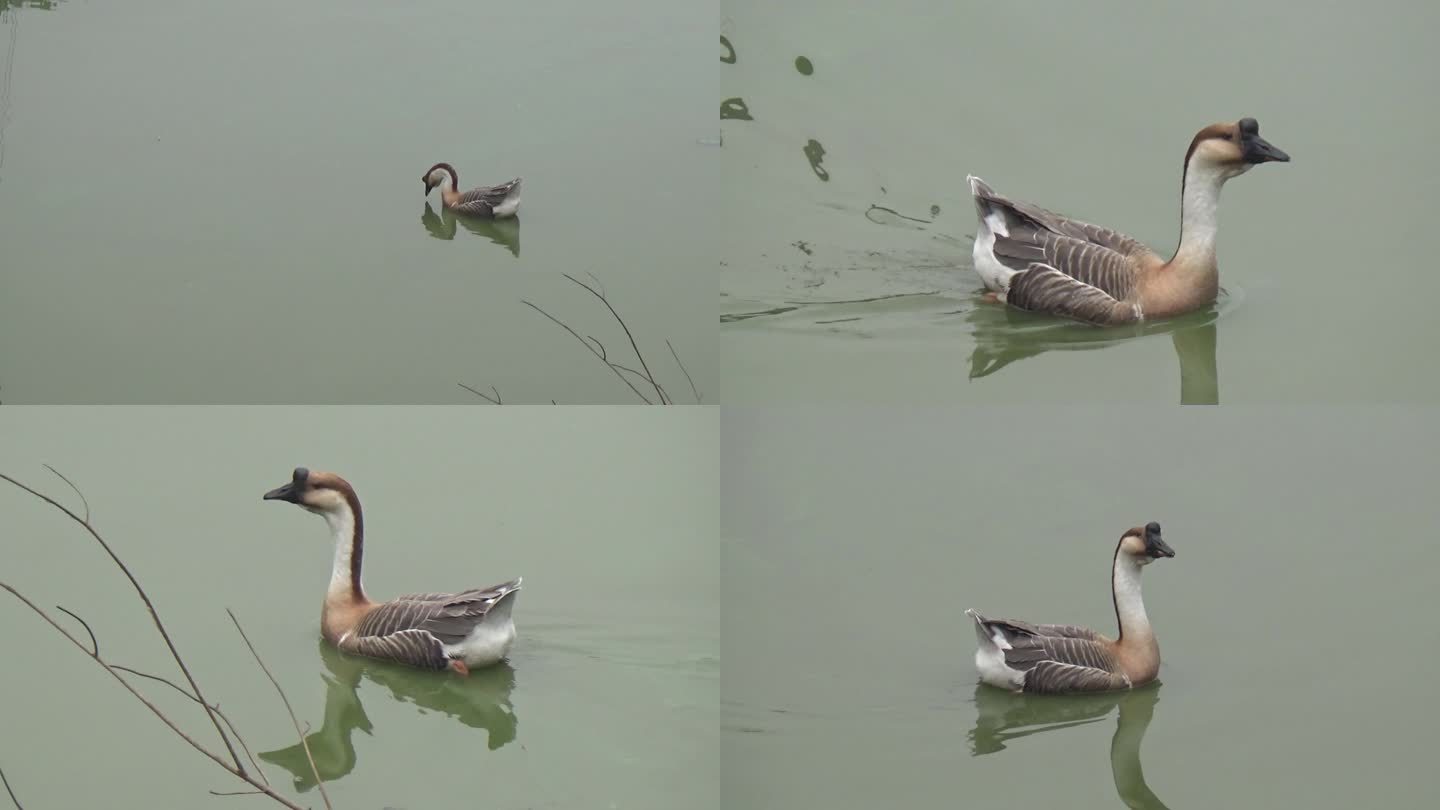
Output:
x=636 y=348
x=114 y=673
x=94 y=645
x=493 y=400
x=641 y=375
x=593 y=345
x=587 y=345
x=693 y=390
x=178 y=688
x=144 y=597
x=233 y=792
x=18 y=805
x=320 y=783
x=83 y=499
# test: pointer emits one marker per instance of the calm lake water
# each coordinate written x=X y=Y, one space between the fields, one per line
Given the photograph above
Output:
x=222 y=203
x=610 y=698
x=846 y=271
x=1296 y=621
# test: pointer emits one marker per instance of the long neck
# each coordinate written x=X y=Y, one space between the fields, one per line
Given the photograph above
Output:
x=1129 y=607
x=347 y=525
x=1199 y=215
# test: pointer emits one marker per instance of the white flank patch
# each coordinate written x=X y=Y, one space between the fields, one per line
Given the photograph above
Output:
x=990 y=658
x=509 y=205
x=995 y=275
x=486 y=645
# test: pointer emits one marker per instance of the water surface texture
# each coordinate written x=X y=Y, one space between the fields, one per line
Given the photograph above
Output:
x=1300 y=598
x=217 y=202
x=610 y=697
x=848 y=133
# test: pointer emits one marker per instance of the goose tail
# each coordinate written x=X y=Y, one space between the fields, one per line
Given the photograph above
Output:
x=982 y=633
x=500 y=611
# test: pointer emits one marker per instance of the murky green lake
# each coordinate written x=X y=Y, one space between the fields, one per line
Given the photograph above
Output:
x=222 y=203
x=848 y=133
x=610 y=697
x=1295 y=622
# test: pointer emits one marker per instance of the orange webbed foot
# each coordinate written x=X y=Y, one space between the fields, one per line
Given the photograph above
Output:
x=459 y=666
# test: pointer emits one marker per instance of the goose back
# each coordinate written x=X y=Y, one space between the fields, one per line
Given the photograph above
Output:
x=484 y=200
x=1058 y=658
x=415 y=628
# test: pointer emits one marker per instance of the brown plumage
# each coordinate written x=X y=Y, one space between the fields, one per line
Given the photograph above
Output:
x=498 y=201
x=1060 y=658
x=427 y=630
x=1040 y=261
x=415 y=628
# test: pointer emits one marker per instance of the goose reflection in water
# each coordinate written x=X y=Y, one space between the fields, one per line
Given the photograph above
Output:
x=1003 y=336
x=503 y=232
x=1003 y=717
x=480 y=701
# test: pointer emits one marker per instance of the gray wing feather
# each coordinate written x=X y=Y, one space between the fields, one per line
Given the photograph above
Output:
x=483 y=200
x=1066 y=631
x=1052 y=677
x=1042 y=288
x=399 y=629
x=1096 y=265
x=418 y=648
x=1013 y=627
x=1059 y=657
x=1023 y=216
x=1064 y=664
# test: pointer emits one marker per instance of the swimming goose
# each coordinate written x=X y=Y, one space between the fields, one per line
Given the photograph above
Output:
x=486 y=201
x=1056 y=658
x=1037 y=260
x=460 y=631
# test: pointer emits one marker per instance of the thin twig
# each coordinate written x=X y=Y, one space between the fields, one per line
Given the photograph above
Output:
x=114 y=673
x=233 y=792
x=18 y=805
x=83 y=499
x=94 y=645
x=178 y=688
x=320 y=783
x=587 y=345
x=150 y=606
x=593 y=291
x=693 y=390
x=493 y=400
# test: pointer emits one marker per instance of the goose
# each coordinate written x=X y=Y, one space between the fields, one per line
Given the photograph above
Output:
x=498 y=202
x=459 y=631
x=1059 y=658
x=1037 y=260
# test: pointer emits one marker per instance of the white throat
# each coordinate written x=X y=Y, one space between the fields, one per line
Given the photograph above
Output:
x=342 y=530
x=1129 y=607
x=445 y=184
x=1200 y=207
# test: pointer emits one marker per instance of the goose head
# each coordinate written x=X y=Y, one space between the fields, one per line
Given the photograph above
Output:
x=322 y=493
x=438 y=174
x=1231 y=149
x=1144 y=544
